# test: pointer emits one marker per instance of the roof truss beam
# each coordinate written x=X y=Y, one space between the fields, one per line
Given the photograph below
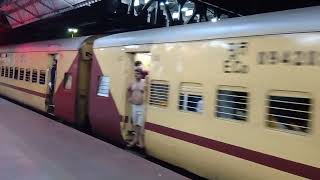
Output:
x=25 y=9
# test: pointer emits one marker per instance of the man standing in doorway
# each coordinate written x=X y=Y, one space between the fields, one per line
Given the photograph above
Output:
x=51 y=85
x=136 y=98
x=53 y=76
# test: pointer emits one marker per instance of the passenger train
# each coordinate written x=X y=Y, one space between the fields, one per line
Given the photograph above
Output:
x=235 y=99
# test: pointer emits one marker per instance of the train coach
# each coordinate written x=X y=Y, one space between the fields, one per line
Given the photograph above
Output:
x=46 y=76
x=235 y=99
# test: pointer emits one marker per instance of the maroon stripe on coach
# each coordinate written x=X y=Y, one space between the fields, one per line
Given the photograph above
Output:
x=288 y=166
x=24 y=90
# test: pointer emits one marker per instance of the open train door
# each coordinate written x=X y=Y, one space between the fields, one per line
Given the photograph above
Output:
x=109 y=110
x=145 y=59
x=83 y=85
x=126 y=123
x=51 y=82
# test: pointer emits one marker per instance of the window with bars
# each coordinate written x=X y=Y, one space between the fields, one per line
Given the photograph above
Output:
x=42 y=78
x=11 y=72
x=34 y=76
x=159 y=93
x=289 y=113
x=21 y=77
x=104 y=86
x=190 y=97
x=28 y=74
x=16 y=73
x=7 y=72
x=2 y=71
x=232 y=104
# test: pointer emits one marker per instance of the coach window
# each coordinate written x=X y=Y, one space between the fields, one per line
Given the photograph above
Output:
x=289 y=111
x=7 y=71
x=2 y=70
x=42 y=78
x=21 y=77
x=16 y=73
x=28 y=74
x=34 y=76
x=11 y=72
x=159 y=93
x=104 y=86
x=67 y=81
x=190 y=97
x=232 y=103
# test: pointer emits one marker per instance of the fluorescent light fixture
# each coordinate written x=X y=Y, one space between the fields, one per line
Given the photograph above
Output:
x=189 y=12
x=184 y=9
x=175 y=15
x=214 y=19
x=72 y=30
x=137 y=2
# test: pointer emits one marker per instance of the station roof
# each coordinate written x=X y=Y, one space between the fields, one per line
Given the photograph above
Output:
x=37 y=20
x=22 y=12
x=17 y=13
x=249 y=7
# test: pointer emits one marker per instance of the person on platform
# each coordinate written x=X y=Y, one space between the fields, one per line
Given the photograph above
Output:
x=137 y=90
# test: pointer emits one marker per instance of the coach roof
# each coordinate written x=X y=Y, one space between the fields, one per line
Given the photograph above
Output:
x=289 y=21
x=46 y=46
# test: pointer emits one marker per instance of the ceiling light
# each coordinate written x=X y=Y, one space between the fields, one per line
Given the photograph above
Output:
x=184 y=9
x=175 y=15
x=189 y=12
x=214 y=19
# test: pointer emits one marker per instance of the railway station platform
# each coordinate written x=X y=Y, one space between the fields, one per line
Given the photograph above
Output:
x=34 y=147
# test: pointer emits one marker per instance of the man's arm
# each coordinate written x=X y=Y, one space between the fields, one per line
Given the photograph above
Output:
x=129 y=91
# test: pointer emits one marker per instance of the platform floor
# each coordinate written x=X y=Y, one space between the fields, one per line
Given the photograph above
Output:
x=33 y=147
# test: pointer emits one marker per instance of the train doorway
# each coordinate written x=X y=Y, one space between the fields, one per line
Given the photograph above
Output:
x=52 y=83
x=84 y=72
x=138 y=62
